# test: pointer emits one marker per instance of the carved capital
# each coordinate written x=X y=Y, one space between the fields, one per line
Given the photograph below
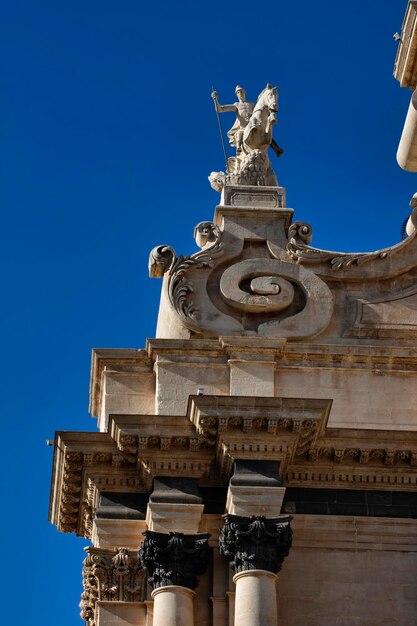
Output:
x=111 y=576
x=174 y=558
x=255 y=542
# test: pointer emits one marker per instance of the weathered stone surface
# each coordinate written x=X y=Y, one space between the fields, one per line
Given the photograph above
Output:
x=366 y=566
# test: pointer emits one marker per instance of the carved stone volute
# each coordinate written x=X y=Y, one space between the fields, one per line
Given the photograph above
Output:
x=174 y=558
x=255 y=542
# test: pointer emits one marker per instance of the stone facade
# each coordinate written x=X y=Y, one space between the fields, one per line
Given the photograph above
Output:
x=270 y=427
x=296 y=413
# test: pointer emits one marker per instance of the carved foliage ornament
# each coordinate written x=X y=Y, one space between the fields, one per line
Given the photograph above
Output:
x=163 y=259
x=114 y=577
x=174 y=558
x=371 y=456
x=300 y=235
x=73 y=499
x=256 y=542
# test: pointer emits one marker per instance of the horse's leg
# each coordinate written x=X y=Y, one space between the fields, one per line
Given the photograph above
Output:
x=276 y=148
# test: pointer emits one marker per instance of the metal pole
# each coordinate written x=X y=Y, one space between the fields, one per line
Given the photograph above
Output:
x=221 y=130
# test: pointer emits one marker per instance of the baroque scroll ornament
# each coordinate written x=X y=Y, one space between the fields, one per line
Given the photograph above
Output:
x=163 y=259
x=270 y=297
x=300 y=235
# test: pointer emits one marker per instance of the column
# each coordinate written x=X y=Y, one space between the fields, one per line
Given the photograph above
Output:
x=256 y=548
x=174 y=561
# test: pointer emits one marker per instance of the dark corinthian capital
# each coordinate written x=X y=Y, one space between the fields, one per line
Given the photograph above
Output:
x=255 y=542
x=174 y=558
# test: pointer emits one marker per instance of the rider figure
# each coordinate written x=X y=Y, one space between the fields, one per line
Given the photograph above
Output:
x=243 y=110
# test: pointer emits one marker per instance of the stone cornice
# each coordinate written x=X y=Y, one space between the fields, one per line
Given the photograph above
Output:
x=361 y=457
x=162 y=445
x=280 y=428
x=405 y=68
x=190 y=347
x=351 y=353
x=349 y=356
x=203 y=444
x=84 y=464
x=295 y=432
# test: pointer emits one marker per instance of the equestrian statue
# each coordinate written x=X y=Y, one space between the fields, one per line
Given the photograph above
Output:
x=251 y=135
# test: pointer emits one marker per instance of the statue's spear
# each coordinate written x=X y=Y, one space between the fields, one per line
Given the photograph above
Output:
x=213 y=91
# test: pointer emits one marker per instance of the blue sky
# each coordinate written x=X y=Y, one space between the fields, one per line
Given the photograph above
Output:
x=108 y=133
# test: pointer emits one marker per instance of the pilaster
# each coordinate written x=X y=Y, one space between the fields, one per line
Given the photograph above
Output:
x=114 y=581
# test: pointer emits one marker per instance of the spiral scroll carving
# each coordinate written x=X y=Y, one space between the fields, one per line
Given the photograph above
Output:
x=256 y=286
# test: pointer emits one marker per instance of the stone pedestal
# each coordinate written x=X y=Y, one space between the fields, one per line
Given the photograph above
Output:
x=256 y=601
x=173 y=606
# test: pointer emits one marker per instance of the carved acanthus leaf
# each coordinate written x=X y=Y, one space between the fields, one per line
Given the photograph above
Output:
x=255 y=542
x=174 y=558
x=179 y=287
x=112 y=577
x=363 y=456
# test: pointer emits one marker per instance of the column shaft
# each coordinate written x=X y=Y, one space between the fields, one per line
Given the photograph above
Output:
x=256 y=598
x=173 y=606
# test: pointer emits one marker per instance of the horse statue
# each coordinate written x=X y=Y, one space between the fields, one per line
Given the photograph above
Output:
x=258 y=132
x=251 y=134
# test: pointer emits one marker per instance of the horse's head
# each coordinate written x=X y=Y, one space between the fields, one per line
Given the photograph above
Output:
x=258 y=132
x=271 y=97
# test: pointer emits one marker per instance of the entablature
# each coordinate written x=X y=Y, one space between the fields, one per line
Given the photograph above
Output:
x=215 y=432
